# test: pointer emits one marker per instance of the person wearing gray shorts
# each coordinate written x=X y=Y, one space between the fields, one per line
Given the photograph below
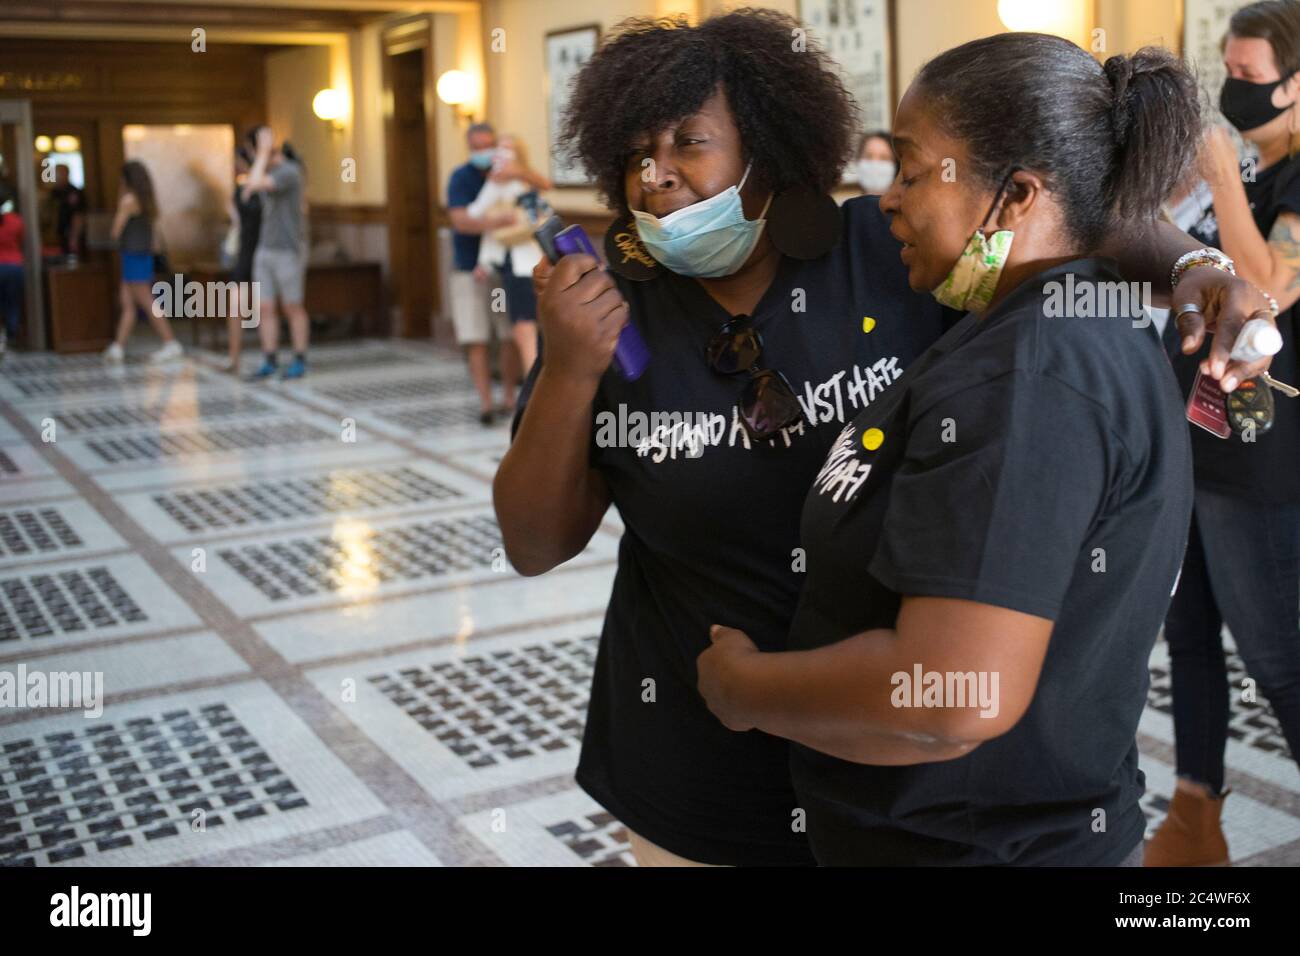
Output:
x=280 y=263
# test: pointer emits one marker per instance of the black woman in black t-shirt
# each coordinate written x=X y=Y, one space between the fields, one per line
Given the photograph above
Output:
x=772 y=318
x=1243 y=554
x=991 y=550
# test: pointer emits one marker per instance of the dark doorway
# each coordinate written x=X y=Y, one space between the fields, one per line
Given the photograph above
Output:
x=411 y=192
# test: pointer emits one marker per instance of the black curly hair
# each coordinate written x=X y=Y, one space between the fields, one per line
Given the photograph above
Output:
x=796 y=120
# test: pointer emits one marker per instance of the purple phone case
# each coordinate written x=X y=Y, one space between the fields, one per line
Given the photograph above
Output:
x=631 y=355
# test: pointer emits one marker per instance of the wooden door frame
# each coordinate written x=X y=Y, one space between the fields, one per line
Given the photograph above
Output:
x=19 y=113
x=407 y=36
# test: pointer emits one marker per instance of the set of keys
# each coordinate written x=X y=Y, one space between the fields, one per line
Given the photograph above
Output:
x=1249 y=409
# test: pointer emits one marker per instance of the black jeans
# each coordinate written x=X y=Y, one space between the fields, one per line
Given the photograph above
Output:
x=1243 y=568
x=11 y=297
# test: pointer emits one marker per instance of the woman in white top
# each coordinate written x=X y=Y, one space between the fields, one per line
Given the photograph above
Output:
x=511 y=251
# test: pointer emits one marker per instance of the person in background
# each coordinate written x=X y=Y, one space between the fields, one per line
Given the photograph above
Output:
x=246 y=218
x=1242 y=565
x=876 y=166
x=474 y=322
x=11 y=266
x=512 y=251
x=279 y=264
x=133 y=229
x=63 y=215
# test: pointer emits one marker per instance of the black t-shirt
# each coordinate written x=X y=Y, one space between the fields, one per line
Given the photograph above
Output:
x=1268 y=468
x=250 y=227
x=1016 y=454
x=71 y=202
x=712 y=528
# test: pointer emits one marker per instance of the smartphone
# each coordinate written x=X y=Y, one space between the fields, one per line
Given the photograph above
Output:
x=1207 y=407
x=631 y=355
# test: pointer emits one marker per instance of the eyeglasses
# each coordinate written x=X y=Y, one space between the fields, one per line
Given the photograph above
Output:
x=768 y=403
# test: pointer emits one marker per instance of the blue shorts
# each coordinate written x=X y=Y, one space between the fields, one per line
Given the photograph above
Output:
x=137 y=267
x=521 y=301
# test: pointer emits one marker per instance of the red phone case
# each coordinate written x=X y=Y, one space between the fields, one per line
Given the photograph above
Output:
x=1207 y=407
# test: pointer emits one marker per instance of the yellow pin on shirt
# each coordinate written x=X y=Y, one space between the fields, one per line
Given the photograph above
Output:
x=868 y=323
x=871 y=438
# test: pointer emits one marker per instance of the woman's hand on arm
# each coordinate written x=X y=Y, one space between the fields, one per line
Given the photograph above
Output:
x=842 y=699
x=1146 y=252
x=549 y=499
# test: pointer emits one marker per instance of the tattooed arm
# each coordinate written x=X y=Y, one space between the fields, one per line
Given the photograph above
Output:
x=1273 y=264
x=1284 y=248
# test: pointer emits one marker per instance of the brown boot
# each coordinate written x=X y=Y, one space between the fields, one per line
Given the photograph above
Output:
x=1191 y=834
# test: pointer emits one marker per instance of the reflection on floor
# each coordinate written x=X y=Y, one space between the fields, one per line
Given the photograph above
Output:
x=312 y=650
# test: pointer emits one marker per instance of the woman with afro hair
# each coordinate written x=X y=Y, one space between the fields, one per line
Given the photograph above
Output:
x=772 y=318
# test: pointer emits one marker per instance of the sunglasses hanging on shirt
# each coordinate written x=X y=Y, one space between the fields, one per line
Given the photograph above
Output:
x=768 y=403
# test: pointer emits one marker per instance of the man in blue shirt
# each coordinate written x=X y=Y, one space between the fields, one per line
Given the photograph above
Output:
x=470 y=315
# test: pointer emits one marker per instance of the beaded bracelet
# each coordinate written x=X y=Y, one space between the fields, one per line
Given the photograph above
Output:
x=1272 y=302
x=1200 y=257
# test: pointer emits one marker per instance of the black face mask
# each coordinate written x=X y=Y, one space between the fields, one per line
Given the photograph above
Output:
x=1249 y=105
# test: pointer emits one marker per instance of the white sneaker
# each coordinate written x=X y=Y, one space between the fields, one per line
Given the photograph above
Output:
x=172 y=350
x=114 y=354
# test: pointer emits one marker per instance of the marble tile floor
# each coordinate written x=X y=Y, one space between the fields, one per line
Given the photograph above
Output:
x=312 y=652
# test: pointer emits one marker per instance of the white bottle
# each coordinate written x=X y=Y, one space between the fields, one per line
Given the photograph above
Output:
x=1258 y=339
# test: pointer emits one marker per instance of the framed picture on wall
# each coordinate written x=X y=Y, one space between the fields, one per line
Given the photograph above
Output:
x=1204 y=24
x=858 y=34
x=567 y=51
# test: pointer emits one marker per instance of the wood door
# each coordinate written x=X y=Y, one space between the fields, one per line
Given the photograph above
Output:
x=411 y=199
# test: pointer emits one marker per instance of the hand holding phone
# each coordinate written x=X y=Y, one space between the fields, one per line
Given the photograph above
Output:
x=631 y=355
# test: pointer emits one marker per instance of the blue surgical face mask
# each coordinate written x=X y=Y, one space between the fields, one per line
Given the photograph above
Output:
x=707 y=239
x=482 y=158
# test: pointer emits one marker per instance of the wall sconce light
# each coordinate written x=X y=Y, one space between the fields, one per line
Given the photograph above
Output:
x=331 y=106
x=1041 y=16
x=458 y=90
x=43 y=144
x=66 y=144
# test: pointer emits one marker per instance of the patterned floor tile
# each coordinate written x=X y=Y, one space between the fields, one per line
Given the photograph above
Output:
x=459 y=612
x=194 y=513
x=209 y=469
x=130 y=788
x=389 y=849
x=71 y=602
x=248 y=437
x=55 y=529
x=474 y=717
x=107 y=380
x=565 y=829
x=95 y=417
x=466 y=438
x=142 y=665
x=358 y=560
